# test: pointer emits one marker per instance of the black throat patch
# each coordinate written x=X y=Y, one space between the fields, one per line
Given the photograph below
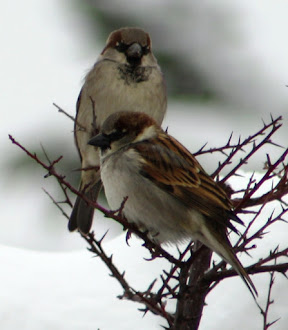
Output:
x=134 y=74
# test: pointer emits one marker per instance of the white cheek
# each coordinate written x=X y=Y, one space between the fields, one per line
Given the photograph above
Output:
x=148 y=133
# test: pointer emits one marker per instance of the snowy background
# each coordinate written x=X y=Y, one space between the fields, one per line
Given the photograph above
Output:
x=48 y=279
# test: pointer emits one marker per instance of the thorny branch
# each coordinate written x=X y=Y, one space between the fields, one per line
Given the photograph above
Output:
x=69 y=116
x=155 y=250
x=269 y=302
x=145 y=298
x=64 y=112
x=175 y=282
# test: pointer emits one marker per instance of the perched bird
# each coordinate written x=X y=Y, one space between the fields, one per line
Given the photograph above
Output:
x=169 y=194
x=126 y=75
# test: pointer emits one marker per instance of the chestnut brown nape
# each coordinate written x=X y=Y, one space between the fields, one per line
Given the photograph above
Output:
x=127 y=120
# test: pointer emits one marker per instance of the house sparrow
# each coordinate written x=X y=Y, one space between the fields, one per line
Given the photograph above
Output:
x=125 y=76
x=169 y=194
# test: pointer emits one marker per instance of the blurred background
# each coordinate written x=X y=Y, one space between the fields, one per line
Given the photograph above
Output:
x=226 y=68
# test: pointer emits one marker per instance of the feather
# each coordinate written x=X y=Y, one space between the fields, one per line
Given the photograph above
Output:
x=174 y=169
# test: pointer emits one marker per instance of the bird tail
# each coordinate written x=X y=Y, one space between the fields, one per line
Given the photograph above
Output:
x=230 y=257
x=82 y=214
x=223 y=248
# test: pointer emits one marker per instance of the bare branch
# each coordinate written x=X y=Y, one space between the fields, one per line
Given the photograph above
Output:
x=64 y=112
x=57 y=204
x=274 y=125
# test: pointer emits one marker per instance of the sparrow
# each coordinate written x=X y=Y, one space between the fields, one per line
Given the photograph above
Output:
x=125 y=76
x=168 y=194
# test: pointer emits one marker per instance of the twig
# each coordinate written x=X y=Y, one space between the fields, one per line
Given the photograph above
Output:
x=269 y=302
x=69 y=116
x=155 y=250
x=64 y=112
x=274 y=125
x=57 y=204
x=129 y=292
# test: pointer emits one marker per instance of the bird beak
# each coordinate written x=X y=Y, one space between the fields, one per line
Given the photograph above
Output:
x=134 y=51
x=101 y=141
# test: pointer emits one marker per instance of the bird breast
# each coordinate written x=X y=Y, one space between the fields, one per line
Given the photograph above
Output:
x=126 y=93
x=152 y=209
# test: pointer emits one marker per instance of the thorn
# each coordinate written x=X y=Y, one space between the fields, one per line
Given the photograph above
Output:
x=128 y=236
x=101 y=239
x=229 y=140
x=151 y=285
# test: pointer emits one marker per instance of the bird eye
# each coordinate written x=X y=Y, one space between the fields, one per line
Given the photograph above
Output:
x=146 y=50
x=121 y=47
x=117 y=135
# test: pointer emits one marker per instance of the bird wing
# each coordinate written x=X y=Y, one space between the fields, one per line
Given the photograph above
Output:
x=171 y=167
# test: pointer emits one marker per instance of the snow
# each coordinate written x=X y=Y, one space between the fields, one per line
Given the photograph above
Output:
x=44 y=290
